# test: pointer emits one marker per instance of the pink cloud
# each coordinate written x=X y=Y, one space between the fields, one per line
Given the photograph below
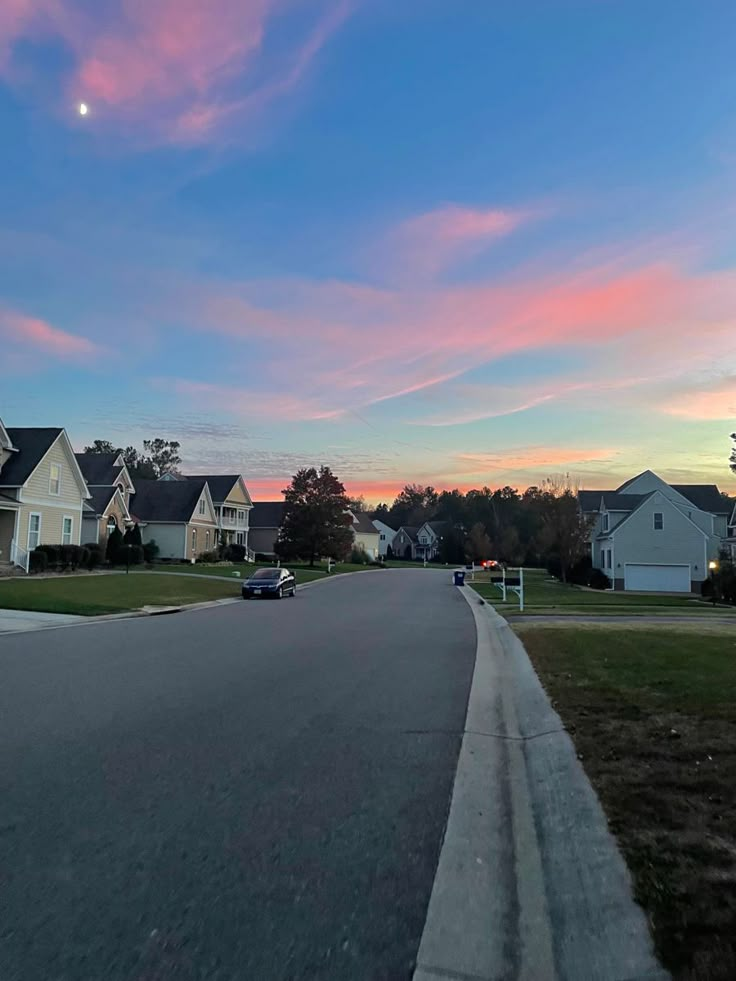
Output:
x=275 y=406
x=179 y=70
x=428 y=243
x=711 y=403
x=533 y=457
x=30 y=332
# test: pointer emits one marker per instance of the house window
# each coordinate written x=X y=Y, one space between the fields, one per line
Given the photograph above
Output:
x=241 y=517
x=658 y=521
x=383 y=538
x=34 y=531
x=605 y=522
x=423 y=539
x=194 y=541
x=55 y=479
x=201 y=506
x=66 y=530
x=207 y=540
x=609 y=555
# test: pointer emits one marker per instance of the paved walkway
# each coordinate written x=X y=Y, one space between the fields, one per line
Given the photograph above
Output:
x=13 y=621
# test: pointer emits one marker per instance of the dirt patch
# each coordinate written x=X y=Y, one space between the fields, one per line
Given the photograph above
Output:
x=667 y=780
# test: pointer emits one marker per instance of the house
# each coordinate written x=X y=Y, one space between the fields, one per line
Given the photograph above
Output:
x=429 y=540
x=729 y=545
x=648 y=535
x=265 y=525
x=111 y=487
x=386 y=536
x=365 y=535
x=232 y=507
x=179 y=515
x=404 y=542
x=42 y=492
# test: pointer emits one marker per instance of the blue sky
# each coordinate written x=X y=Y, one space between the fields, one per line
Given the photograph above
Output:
x=460 y=243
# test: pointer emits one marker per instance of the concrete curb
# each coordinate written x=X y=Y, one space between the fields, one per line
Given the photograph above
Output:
x=530 y=883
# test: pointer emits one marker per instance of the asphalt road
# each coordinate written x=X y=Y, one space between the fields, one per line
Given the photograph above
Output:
x=252 y=792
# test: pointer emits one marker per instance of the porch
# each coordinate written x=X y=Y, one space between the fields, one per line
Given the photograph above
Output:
x=10 y=552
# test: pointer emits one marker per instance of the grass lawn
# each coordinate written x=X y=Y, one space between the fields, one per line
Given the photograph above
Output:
x=545 y=595
x=302 y=572
x=91 y=595
x=652 y=711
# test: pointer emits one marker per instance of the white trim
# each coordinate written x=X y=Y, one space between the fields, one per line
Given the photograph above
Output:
x=35 y=502
x=39 y=515
x=69 y=517
x=5 y=441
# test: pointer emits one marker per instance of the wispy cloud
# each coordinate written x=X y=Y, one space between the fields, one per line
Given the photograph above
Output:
x=22 y=332
x=179 y=70
x=263 y=405
x=541 y=458
x=713 y=401
x=425 y=244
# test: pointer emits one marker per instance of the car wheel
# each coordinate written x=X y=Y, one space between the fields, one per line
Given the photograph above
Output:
x=293 y=591
x=280 y=592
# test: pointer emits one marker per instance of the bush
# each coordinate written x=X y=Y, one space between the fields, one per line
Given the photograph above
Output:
x=554 y=566
x=150 y=551
x=136 y=555
x=209 y=557
x=52 y=553
x=598 y=580
x=38 y=560
x=133 y=536
x=72 y=556
x=95 y=555
x=114 y=546
x=359 y=556
x=235 y=553
x=707 y=588
x=580 y=572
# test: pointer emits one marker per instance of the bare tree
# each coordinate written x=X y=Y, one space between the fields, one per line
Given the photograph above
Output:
x=565 y=529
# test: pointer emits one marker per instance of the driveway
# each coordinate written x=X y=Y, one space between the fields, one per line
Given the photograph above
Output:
x=19 y=620
x=257 y=791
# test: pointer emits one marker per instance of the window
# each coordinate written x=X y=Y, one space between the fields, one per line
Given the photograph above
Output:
x=55 y=479
x=658 y=521
x=241 y=517
x=609 y=555
x=383 y=538
x=194 y=541
x=423 y=539
x=207 y=541
x=605 y=522
x=34 y=531
x=201 y=506
x=66 y=530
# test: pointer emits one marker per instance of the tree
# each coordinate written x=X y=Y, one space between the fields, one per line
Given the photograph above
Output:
x=357 y=504
x=478 y=544
x=381 y=513
x=413 y=506
x=452 y=546
x=114 y=545
x=102 y=446
x=315 y=523
x=565 y=529
x=733 y=453
x=133 y=535
x=163 y=455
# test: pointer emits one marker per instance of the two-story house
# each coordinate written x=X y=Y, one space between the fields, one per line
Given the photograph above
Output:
x=233 y=506
x=386 y=536
x=110 y=486
x=178 y=515
x=648 y=535
x=42 y=492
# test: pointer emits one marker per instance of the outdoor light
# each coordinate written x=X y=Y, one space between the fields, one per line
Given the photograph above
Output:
x=712 y=566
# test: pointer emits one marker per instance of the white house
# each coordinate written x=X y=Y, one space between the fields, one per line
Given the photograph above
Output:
x=365 y=534
x=386 y=537
x=649 y=535
x=42 y=492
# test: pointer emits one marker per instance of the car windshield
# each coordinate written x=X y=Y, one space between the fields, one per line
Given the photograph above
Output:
x=266 y=574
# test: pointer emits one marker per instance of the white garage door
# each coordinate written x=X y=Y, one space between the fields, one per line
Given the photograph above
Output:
x=659 y=578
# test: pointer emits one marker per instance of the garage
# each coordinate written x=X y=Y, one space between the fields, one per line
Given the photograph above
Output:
x=657 y=578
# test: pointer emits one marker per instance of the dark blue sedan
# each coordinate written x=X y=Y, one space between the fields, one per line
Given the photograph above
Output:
x=273 y=583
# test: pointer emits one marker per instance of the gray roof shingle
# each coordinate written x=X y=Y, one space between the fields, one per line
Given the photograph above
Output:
x=100 y=498
x=220 y=484
x=32 y=445
x=267 y=514
x=165 y=500
x=97 y=468
x=706 y=497
x=363 y=524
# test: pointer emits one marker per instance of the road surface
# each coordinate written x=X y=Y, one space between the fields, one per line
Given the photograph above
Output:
x=252 y=792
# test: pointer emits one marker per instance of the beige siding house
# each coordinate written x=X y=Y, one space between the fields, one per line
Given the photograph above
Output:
x=178 y=515
x=42 y=492
x=111 y=487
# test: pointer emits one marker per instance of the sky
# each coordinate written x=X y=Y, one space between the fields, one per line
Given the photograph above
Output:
x=453 y=242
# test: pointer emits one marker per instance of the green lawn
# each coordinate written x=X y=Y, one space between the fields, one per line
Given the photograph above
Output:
x=545 y=595
x=302 y=572
x=92 y=595
x=652 y=711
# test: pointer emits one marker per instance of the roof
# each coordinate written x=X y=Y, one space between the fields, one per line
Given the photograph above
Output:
x=364 y=524
x=590 y=500
x=220 y=484
x=621 y=502
x=706 y=497
x=165 y=500
x=267 y=514
x=410 y=531
x=98 y=468
x=631 y=480
x=100 y=498
x=32 y=445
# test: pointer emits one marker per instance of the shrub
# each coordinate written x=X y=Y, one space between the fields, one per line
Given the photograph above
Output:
x=72 y=556
x=150 y=551
x=554 y=566
x=136 y=554
x=95 y=555
x=580 y=572
x=235 y=553
x=38 y=560
x=209 y=557
x=707 y=588
x=389 y=552
x=597 y=579
x=114 y=546
x=133 y=536
x=52 y=553
x=359 y=556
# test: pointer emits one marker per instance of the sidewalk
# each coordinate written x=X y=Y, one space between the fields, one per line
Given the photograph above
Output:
x=13 y=621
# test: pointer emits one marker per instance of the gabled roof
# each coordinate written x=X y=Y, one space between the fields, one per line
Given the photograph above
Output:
x=100 y=498
x=590 y=500
x=622 y=502
x=364 y=524
x=6 y=442
x=410 y=531
x=99 y=468
x=267 y=514
x=32 y=444
x=166 y=500
x=644 y=498
x=705 y=497
x=631 y=480
x=220 y=484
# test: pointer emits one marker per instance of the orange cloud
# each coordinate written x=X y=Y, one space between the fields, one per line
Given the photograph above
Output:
x=177 y=70
x=712 y=403
x=24 y=331
x=533 y=458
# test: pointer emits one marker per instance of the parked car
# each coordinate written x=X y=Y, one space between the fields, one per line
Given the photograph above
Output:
x=275 y=583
